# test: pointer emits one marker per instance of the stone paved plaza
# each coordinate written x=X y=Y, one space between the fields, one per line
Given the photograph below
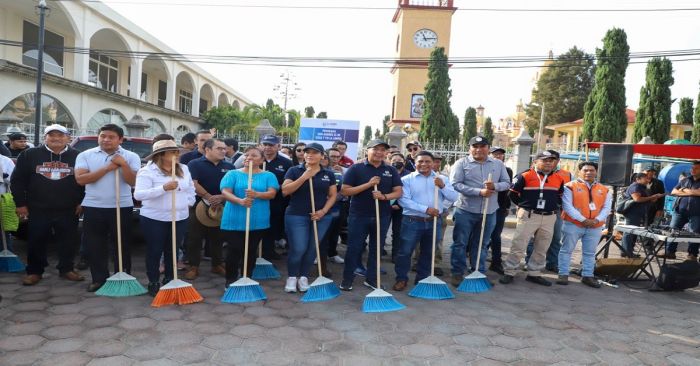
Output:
x=58 y=323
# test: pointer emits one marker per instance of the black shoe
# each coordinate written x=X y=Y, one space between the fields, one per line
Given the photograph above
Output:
x=165 y=281
x=439 y=272
x=94 y=286
x=498 y=268
x=563 y=280
x=506 y=279
x=538 y=280
x=153 y=288
x=384 y=253
x=553 y=269
x=372 y=285
x=82 y=264
x=346 y=285
x=590 y=281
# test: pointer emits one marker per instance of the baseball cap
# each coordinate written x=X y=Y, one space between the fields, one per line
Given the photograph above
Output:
x=414 y=142
x=554 y=153
x=546 y=154
x=270 y=139
x=377 y=142
x=497 y=148
x=479 y=140
x=55 y=127
x=315 y=146
x=17 y=136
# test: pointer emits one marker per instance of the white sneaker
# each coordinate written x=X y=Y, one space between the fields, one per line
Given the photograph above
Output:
x=291 y=285
x=315 y=262
x=280 y=243
x=303 y=284
x=337 y=259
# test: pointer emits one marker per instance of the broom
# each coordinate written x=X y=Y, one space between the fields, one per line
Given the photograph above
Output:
x=431 y=287
x=176 y=291
x=477 y=282
x=9 y=262
x=264 y=269
x=322 y=288
x=245 y=289
x=379 y=301
x=120 y=284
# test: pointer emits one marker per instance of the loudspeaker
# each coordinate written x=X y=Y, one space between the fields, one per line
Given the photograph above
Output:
x=615 y=164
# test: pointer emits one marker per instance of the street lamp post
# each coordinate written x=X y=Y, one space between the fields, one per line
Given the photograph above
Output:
x=42 y=8
x=287 y=89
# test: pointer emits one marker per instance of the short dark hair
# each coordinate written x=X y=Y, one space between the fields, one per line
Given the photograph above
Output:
x=209 y=144
x=161 y=137
x=253 y=147
x=114 y=128
x=188 y=138
x=340 y=142
x=425 y=153
x=651 y=170
x=397 y=154
x=202 y=131
x=587 y=163
x=328 y=150
x=636 y=176
x=231 y=142
x=393 y=147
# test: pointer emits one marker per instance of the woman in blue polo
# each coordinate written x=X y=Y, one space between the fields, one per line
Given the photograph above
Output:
x=234 y=188
x=299 y=216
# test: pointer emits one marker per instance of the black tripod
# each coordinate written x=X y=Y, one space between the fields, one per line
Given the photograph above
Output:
x=609 y=237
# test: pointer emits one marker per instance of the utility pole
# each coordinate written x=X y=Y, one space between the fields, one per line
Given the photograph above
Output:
x=42 y=8
x=539 y=133
x=287 y=90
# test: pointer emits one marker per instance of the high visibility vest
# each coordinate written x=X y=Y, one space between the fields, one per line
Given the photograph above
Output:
x=581 y=198
x=564 y=174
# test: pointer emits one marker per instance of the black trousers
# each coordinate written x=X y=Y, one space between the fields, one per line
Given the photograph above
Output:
x=45 y=227
x=196 y=232
x=236 y=249
x=100 y=231
x=273 y=233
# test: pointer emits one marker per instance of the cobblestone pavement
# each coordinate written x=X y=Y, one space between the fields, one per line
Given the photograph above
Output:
x=57 y=323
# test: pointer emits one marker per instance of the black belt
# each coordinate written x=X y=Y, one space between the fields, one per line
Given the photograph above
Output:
x=420 y=219
x=539 y=212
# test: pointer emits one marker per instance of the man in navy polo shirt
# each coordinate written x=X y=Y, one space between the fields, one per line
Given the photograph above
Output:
x=358 y=183
x=201 y=137
x=207 y=172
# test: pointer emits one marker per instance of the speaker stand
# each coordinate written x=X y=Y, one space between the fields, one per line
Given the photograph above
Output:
x=609 y=237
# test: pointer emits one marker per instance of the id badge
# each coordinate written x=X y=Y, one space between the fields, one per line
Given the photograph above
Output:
x=540 y=204
x=591 y=206
x=55 y=175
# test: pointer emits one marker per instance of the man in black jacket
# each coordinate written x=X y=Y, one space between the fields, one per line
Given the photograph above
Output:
x=45 y=192
x=656 y=209
x=501 y=214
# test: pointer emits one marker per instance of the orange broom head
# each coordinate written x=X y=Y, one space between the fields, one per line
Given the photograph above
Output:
x=176 y=292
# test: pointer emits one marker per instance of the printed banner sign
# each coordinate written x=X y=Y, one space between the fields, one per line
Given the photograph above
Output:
x=327 y=131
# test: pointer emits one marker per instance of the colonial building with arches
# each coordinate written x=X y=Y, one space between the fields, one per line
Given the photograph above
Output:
x=99 y=68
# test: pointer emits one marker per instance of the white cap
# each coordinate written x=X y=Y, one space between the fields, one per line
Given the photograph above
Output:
x=55 y=127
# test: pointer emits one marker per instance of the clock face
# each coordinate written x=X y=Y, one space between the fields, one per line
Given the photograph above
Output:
x=425 y=38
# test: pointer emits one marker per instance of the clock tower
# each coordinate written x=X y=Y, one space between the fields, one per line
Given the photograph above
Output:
x=422 y=25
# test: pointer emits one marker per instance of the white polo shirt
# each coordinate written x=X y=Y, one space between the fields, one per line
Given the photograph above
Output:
x=102 y=193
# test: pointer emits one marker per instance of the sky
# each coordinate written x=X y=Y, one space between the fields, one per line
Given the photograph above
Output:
x=213 y=27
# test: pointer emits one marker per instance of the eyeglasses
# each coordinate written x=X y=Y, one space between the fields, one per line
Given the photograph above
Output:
x=300 y=150
x=413 y=149
x=335 y=156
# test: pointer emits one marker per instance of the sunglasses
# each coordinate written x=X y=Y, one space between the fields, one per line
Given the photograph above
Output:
x=413 y=149
x=300 y=150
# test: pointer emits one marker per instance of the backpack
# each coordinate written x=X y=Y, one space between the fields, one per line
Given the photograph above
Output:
x=624 y=204
x=679 y=276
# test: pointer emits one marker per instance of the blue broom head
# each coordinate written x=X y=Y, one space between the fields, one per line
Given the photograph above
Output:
x=242 y=291
x=380 y=301
x=432 y=288
x=321 y=289
x=9 y=262
x=121 y=285
x=475 y=283
x=265 y=270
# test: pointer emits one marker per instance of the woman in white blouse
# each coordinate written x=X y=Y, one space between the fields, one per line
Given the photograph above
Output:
x=153 y=188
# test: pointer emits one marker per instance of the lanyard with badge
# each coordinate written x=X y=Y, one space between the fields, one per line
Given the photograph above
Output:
x=591 y=204
x=541 y=202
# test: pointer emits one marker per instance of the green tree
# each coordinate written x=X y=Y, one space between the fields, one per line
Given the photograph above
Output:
x=323 y=115
x=604 y=113
x=377 y=134
x=685 y=111
x=226 y=119
x=385 y=126
x=469 y=124
x=695 y=136
x=654 y=113
x=488 y=129
x=563 y=88
x=367 y=135
x=309 y=112
x=438 y=121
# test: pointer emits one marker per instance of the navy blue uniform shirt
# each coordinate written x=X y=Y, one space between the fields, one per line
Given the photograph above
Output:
x=362 y=204
x=639 y=209
x=300 y=201
x=207 y=174
x=187 y=157
x=278 y=166
x=689 y=205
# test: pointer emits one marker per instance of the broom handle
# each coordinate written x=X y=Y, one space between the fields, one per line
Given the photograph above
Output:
x=315 y=225
x=260 y=242
x=435 y=219
x=483 y=225
x=376 y=213
x=247 y=223
x=119 y=220
x=172 y=215
x=2 y=231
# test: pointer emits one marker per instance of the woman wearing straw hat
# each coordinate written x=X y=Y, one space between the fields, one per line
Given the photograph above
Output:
x=153 y=188
x=298 y=217
x=234 y=188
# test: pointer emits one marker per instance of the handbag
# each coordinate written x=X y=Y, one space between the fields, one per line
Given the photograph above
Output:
x=8 y=215
x=624 y=205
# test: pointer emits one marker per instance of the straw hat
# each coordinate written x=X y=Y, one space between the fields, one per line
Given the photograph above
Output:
x=162 y=146
x=207 y=215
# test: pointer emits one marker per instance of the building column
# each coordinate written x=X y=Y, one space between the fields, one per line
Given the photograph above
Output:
x=195 y=100
x=81 y=62
x=170 y=95
x=135 y=85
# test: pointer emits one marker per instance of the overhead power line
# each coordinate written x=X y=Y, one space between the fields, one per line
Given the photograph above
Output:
x=326 y=7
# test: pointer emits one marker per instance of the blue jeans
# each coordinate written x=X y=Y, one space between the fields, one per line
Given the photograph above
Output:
x=495 y=243
x=416 y=232
x=589 y=241
x=359 y=227
x=678 y=220
x=636 y=218
x=554 y=246
x=302 y=244
x=465 y=236
x=158 y=236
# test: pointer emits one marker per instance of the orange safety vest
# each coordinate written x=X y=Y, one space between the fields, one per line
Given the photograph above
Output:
x=564 y=174
x=581 y=197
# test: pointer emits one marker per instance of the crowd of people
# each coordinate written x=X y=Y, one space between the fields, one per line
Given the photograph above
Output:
x=287 y=189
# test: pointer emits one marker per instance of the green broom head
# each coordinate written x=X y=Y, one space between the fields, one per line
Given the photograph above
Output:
x=380 y=301
x=121 y=285
x=9 y=262
x=321 y=289
x=475 y=283
x=432 y=288
x=265 y=270
x=242 y=291
x=176 y=292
